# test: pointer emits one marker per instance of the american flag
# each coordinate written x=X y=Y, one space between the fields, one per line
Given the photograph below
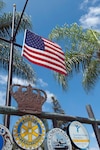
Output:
x=43 y=52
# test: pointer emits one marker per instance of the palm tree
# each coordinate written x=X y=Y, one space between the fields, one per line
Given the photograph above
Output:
x=20 y=67
x=81 y=53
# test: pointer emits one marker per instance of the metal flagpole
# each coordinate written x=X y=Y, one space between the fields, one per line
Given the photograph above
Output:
x=8 y=97
x=20 y=20
x=13 y=35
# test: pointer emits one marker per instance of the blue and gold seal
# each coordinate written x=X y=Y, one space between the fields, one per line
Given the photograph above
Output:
x=6 y=141
x=29 y=132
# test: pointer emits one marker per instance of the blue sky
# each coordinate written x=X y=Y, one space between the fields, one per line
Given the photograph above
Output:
x=45 y=15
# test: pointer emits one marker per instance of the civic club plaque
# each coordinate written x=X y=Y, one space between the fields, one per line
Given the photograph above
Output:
x=6 y=142
x=79 y=135
x=57 y=139
x=29 y=132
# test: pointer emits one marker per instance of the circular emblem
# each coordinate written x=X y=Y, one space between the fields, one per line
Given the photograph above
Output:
x=57 y=139
x=79 y=135
x=29 y=132
x=6 y=141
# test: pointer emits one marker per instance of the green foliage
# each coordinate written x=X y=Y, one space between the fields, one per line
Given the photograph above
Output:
x=2 y=5
x=20 y=67
x=81 y=49
x=6 y=25
x=91 y=74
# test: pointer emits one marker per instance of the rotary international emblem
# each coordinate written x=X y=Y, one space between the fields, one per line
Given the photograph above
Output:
x=29 y=132
x=6 y=142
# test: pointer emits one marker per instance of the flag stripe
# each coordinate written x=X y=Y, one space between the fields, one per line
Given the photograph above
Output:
x=44 y=58
x=45 y=64
x=45 y=54
x=50 y=51
x=58 y=49
x=54 y=51
x=52 y=43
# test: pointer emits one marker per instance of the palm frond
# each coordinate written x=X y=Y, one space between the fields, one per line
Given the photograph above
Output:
x=20 y=67
x=81 y=49
x=75 y=60
x=6 y=25
x=2 y=5
x=62 y=80
x=91 y=75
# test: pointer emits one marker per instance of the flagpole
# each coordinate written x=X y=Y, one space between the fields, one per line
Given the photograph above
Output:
x=9 y=83
x=8 y=96
x=20 y=19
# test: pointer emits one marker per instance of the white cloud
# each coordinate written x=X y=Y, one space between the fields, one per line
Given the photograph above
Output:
x=93 y=135
x=91 y=19
x=45 y=109
x=49 y=95
x=85 y=3
x=20 y=81
x=94 y=148
x=42 y=83
x=2 y=98
x=16 y=80
x=94 y=1
x=3 y=79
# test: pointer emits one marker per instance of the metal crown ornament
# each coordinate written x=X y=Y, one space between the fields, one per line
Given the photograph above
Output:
x=29 y=99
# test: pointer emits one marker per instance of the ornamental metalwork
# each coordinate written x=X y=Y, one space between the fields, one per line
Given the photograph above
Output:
x=29 y=99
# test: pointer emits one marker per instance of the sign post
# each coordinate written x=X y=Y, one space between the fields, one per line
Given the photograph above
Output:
x=95 y=125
